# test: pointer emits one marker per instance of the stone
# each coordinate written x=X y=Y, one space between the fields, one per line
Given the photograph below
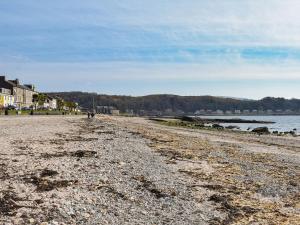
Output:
x=217 y=126
x=86 y=215
x=261 y=130
x=44 y=223
x=232 y=127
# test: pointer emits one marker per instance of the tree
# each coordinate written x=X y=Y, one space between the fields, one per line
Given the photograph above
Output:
x=71 y=105
x=39 y=99
x=60 y=104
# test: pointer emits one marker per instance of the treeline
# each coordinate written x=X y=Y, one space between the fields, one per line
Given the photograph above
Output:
x=176 y=103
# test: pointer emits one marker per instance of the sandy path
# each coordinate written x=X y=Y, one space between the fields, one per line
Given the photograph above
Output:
x=116 y=170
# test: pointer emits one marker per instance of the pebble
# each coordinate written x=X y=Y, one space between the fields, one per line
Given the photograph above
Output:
x=86 y=215
x=44 y=223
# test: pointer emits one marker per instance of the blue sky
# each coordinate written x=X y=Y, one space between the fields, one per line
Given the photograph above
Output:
x=248 y=48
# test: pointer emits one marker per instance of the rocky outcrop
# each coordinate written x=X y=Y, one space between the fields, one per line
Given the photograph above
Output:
x=232 y=127
x=217 y=126
x=261 y=130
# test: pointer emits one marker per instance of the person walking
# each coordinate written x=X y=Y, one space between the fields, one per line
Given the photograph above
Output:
x=89 y=115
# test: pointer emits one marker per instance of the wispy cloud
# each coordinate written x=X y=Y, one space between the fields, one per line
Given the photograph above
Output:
x=143 y=40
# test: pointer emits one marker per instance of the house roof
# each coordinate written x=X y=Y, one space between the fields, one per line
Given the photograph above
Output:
x=14 y=84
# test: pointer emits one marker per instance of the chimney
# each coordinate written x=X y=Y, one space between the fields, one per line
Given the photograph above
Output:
x=30 y=86
x=2 y=78
x=16 y=81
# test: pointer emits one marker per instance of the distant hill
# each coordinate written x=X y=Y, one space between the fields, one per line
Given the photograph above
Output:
x=178 y=103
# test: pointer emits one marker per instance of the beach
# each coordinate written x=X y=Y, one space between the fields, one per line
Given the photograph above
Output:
x=129 y=170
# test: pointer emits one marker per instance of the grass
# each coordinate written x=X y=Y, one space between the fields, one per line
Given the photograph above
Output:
x=179 y=123
x=192 y=125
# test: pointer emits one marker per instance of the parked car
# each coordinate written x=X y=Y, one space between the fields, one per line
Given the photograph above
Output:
x=11 y=107
x=26 y=108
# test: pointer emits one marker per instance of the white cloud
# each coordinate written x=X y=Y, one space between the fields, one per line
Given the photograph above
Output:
x=143 y=71
x=270 y=22
x=31 y=31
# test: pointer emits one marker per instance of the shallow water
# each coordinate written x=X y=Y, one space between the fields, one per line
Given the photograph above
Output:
x=282 y=123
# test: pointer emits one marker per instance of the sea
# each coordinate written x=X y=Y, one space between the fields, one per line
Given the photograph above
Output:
x=282 y=123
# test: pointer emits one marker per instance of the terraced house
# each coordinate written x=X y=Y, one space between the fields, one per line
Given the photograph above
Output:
x=6 y=98
x=23 y=94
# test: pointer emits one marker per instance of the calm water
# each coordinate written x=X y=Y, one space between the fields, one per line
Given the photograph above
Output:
x=282 y=123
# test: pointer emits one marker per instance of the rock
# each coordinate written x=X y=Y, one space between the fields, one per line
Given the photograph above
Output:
x=217 y=126
x=86 y=215
x=19 y=214
x=122 y=163
x=81 y=153
x=17 y=221
x=48 y=173
x=31 y=221
x=261 y=130
x=232 y=127
x=293 y=133
x=54 y=195
x=199 y=125
x=44 y=223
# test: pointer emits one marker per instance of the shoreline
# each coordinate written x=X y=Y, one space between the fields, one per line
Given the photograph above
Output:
x=232 y=125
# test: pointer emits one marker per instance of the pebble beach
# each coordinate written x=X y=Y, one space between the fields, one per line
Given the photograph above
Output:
x=126 y=170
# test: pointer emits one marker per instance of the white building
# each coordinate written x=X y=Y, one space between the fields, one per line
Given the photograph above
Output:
x=6 y=98
x=50 y=103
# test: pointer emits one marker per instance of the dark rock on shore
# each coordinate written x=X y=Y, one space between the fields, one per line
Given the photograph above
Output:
x=206 y=120
x=293 y=133
x=261 y=130
x=217 y=126
x=232 y=127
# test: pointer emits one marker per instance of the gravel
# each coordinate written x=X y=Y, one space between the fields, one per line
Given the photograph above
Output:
x=57 y=170
x=70 y=170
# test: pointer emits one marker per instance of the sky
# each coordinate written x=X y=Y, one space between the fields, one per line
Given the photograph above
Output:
x=244 y=49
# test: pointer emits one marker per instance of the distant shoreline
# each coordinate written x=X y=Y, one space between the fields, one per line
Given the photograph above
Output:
x=294 y=114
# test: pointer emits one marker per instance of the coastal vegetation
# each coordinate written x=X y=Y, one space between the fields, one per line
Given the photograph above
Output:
x=214 y=124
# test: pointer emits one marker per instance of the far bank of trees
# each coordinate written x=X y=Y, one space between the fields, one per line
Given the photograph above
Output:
x=174 y=102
